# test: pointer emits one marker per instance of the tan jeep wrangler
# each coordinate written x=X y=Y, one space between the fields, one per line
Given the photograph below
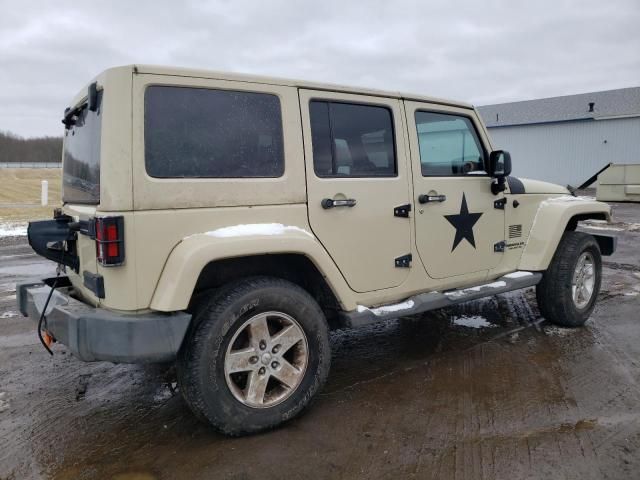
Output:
x=228 y=222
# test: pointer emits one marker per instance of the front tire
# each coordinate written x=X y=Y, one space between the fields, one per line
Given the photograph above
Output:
x=569 y=288
x=258 y=353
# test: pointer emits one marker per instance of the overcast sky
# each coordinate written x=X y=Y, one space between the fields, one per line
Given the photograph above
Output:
x=483 y=52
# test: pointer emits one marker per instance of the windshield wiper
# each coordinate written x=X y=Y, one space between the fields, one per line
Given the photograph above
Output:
x=92 y=101
x=71 y=114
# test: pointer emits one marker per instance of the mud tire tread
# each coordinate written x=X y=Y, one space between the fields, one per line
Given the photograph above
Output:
x=553 y=293
x=199 y=363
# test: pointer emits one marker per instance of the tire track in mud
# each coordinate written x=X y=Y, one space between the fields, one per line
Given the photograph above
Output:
x=619 y=429
x=621 y=266
x=469 y=443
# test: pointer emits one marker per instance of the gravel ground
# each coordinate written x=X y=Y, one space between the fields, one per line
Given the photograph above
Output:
x=484 y=390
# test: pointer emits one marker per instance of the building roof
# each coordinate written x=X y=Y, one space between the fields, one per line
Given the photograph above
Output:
x=624 y=102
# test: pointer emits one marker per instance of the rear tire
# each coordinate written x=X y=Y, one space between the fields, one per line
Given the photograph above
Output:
x=257 y=354
x=569 y=288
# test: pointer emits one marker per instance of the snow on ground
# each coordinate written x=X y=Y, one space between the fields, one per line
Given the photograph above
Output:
x=12 y=230
x=559 y=331
x=4 y=404
x=472 y=321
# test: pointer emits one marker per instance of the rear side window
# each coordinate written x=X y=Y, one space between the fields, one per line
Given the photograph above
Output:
x=197 y=132
x=352 y=140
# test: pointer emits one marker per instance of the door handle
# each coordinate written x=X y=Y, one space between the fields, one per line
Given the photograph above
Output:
x=431 y=198
x=330 y=203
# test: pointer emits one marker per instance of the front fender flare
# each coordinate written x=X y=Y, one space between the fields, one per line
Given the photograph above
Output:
x=549 y=224
x=192 y=254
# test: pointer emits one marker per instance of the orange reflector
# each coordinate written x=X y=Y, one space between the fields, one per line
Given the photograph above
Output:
x=48 y=339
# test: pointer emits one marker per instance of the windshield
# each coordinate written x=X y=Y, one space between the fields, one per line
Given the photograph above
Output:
x=81 y=159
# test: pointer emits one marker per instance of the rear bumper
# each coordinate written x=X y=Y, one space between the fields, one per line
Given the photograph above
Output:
x=95 y=334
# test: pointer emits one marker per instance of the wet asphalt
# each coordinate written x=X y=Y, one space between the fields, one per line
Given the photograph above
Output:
x=484 y=390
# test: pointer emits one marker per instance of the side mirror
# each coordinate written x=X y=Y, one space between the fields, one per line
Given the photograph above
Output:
x=499 y=168
x=499 y=164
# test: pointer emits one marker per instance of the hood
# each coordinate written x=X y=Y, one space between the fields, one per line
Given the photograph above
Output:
x=525 y=185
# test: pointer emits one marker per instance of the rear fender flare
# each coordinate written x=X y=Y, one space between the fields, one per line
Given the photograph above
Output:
x=192 y=254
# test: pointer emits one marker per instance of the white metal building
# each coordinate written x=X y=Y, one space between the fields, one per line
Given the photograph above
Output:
x=566 y=140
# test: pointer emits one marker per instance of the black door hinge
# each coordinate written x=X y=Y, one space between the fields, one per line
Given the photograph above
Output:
x=500 y=203
x=499 y=247
x=404 y=261
x=402 y=211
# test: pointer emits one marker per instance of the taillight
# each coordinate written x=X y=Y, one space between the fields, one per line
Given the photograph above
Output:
x=110 y=241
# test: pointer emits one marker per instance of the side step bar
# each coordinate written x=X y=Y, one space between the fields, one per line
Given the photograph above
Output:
x=424 y=302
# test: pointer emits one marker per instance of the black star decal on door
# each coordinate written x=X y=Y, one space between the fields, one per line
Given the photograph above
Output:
x=463 y=223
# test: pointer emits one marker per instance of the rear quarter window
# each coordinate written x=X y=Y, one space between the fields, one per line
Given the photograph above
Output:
x=206 y=133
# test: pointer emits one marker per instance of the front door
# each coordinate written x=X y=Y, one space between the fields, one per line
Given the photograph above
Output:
x=458 y=227
x=357 y=173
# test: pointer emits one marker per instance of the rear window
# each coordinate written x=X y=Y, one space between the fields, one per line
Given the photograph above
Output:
x=81 y=158
x=197 y=132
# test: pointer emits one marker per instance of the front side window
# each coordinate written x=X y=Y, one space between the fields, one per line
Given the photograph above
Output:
x=449 y=145
x=198 y=132
x=352 y=140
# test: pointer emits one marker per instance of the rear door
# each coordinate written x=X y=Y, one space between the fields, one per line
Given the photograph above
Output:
x=357 y=173
x=459 y=225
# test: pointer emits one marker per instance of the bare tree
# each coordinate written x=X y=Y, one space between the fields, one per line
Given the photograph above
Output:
x=14 y=148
